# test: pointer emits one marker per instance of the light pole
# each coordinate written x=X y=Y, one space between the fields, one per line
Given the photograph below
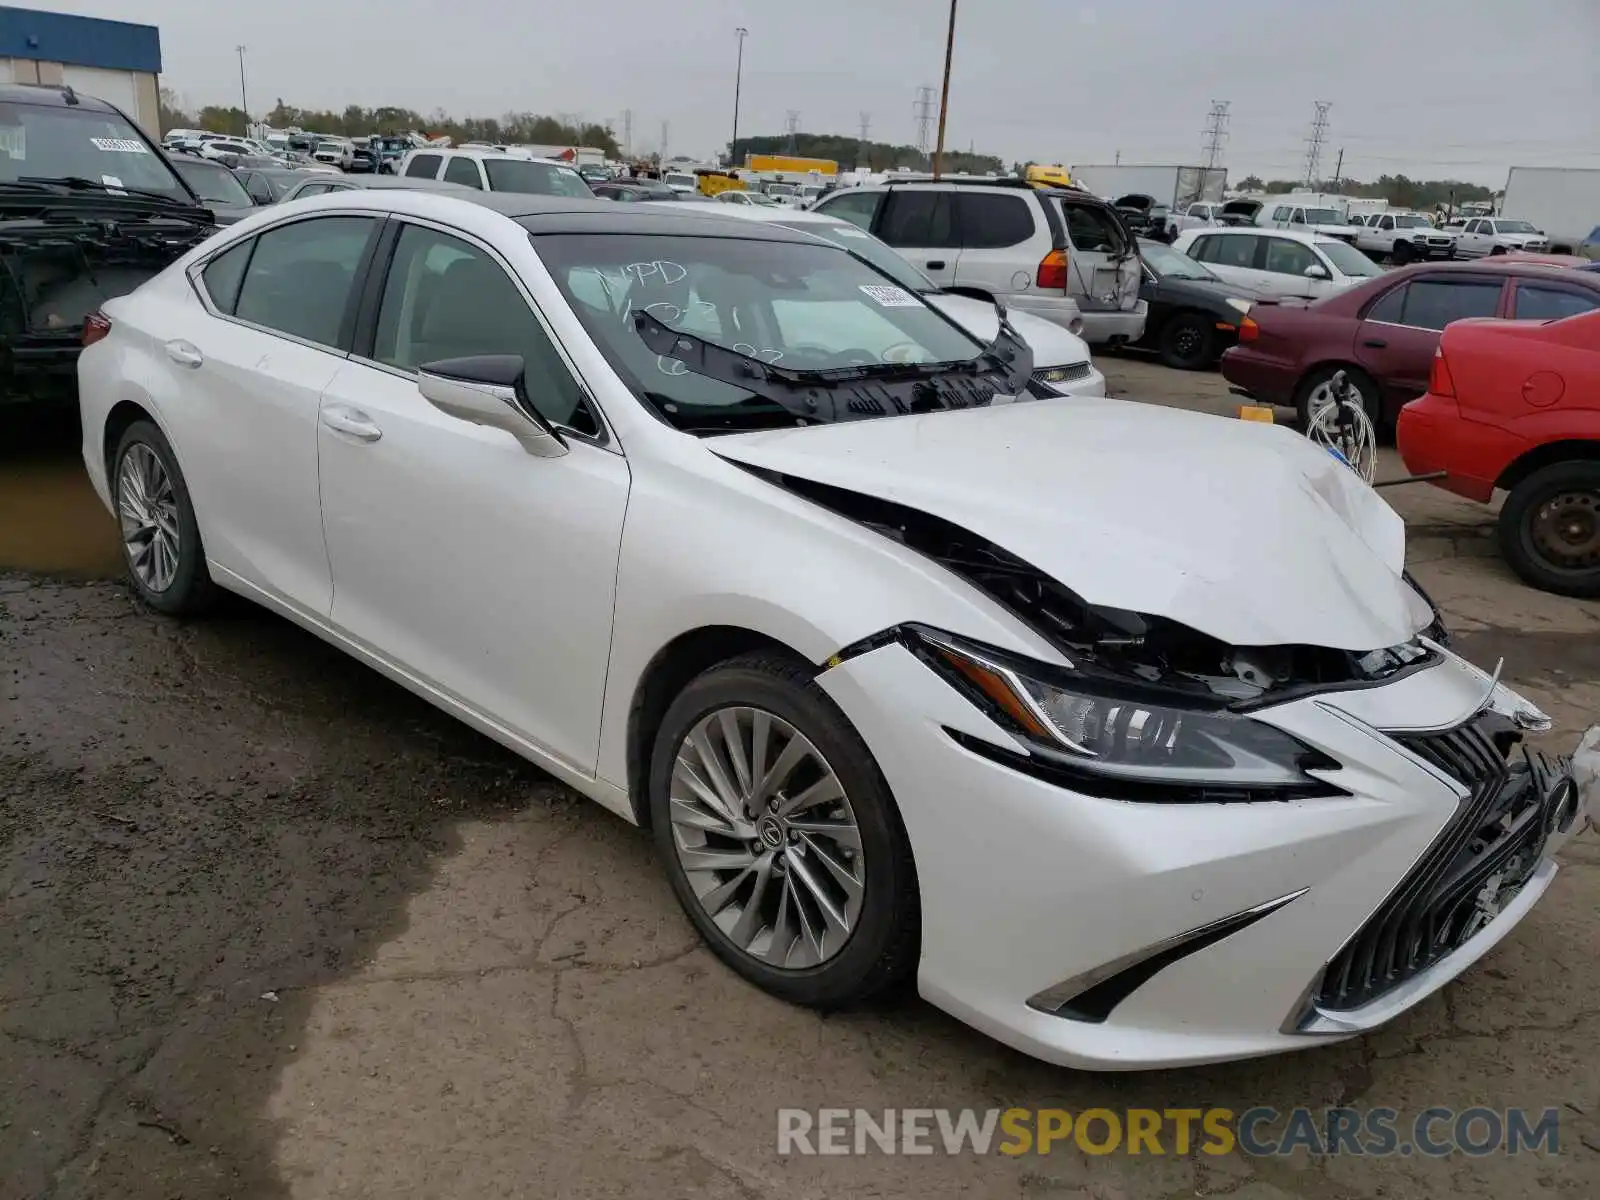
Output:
x=944 y=96
x=738 y=79
x=244 y=100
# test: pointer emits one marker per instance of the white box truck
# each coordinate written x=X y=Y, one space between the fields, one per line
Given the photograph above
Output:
x=1170 y=186
x=1563 y=203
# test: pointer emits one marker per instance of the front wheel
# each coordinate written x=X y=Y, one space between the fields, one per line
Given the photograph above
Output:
x=1401 y=254
x=1550 y=528
x=1186 y=342
x=780 y=837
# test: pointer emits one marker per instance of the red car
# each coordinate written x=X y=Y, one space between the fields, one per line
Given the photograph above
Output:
x=1383 y=333
x=1516 y=405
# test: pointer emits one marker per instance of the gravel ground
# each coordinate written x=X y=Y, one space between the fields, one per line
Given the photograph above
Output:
x=269 y=926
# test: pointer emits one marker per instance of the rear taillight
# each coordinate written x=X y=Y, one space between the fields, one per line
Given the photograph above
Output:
x=1053 y=271
x=95 y=327
x=1249 y=331
x=1439 y=381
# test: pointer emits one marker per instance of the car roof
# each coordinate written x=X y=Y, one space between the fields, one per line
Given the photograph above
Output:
x=52 y=95
x=1293 y=235
x=381 y=182
x=478 y=152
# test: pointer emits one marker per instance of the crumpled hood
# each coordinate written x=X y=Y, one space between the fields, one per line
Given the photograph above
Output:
x=1244 y=531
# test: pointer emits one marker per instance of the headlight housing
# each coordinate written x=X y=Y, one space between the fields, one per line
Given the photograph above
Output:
x=1238 y=304
x=1126 y=738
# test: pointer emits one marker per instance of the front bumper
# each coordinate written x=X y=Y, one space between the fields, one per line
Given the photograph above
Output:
x=1026 y=885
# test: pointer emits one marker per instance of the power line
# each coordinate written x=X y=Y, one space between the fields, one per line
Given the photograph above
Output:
x=923 y=111
x=1319 y=132
x=1216 y=132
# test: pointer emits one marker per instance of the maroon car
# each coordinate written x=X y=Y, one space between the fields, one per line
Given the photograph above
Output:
x=1383 y=333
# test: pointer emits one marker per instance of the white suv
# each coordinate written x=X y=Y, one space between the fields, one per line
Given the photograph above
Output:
x=1056 y=253
x=496 y=171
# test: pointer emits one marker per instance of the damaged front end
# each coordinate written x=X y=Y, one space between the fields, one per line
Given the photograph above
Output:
x=61 y=258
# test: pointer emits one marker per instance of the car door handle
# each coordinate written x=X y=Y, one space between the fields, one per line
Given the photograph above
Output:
x=185 y=354
x=352 y=421
x=936 y=264
x=1375 y=343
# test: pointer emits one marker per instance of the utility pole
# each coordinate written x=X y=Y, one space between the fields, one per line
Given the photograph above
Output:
x=738 y=78
x=244 y=100
x=1319 y=133
x=1338 y=171
x=863 y=155
x=791 y=125
x=944 y=96
x=1216 y=132
x=665 y=127
x=923 y=111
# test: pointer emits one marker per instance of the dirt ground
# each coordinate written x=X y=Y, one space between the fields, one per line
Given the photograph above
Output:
x=271 y=927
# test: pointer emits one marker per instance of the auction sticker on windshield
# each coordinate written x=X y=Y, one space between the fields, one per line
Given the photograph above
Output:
x=890 y=297
x=119 y=145
x=14 y=141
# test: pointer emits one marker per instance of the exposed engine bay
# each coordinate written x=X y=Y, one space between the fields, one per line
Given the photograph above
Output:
x=1097 y=639
x=60 y=263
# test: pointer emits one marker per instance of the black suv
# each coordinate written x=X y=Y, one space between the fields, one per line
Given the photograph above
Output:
x=89 y=209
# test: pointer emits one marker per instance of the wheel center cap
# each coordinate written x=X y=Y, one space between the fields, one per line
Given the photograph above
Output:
x=770 y=830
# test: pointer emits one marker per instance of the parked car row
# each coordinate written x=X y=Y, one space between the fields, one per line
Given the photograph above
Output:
x=852 y=640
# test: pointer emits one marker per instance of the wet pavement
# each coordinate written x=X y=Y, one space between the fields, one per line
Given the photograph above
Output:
x=272 y=927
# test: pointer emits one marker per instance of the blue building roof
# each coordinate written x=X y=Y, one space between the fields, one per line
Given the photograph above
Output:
x=81 y=41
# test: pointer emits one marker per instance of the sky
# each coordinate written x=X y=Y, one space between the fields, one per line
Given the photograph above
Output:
x=1426 y=88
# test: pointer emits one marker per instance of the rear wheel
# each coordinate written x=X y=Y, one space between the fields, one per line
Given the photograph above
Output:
x=1316 y=391
x=780 y=837
x=160 y=539
x=1186 y=342
x=1550 y=528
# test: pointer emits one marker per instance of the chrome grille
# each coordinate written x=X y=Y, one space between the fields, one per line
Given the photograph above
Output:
x=1498 y=830
x=1067 y=373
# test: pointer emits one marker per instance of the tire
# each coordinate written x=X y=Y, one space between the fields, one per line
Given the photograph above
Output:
x=1533 y=534
x=1371 y=397
x=171 y=578
x=883 y=942
x=1186 y=342
x=1497 y=250
x=1402 y=254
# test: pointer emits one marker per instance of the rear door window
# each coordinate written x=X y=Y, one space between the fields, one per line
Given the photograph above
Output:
x=300 y=278
x=919 y=218
x=991 y=221
x=223 y=274
x=425 y=166
x=1434 y=303
x=463 y=171
x=1390 y=308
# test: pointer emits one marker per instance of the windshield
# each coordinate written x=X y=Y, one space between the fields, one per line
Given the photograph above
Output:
x=534 y=178
x=803 y=306
x=45 y=141
x=1412 y=221
x=678 y=180
x=762 y=198
x=780 y=189
x=1168 y=263
x=1349 y=260
x=862 y=244
x=213 y=184
x=1324 y=216
x=1514 y=227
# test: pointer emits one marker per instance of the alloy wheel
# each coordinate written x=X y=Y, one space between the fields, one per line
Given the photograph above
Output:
x=767 y=838
x=147 y=509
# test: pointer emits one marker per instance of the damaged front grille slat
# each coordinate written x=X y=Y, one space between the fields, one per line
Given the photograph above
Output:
x=1434 y=910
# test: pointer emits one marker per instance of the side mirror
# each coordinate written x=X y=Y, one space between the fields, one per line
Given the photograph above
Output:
x=487 y=389
x=1316 y=271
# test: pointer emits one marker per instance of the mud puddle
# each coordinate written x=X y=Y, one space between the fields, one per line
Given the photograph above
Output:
x=51 y=522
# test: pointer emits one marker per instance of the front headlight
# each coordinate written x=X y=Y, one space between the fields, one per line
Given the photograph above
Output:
x=1118 y=738
x=1238 y=304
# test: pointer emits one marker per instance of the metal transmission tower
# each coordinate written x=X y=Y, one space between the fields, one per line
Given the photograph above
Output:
x=923 y=110
x=791 y=125
x=1216 y=132
x=1319 y=133
x=863 y=154
x=627 y=132
x=666 y=127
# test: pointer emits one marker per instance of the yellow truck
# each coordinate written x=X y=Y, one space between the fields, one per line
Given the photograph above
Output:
x=711 y=183
x=786 y=165
x=1046 y=176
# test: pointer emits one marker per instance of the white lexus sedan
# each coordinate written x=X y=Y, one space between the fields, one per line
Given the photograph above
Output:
x=719 y=525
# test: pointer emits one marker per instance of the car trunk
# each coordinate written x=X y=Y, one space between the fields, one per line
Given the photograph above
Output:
x=1239 y=212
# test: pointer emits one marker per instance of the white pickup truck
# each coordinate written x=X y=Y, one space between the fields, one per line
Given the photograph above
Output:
x=1403 y=237
x=1302 y=218
x=1497 y=235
